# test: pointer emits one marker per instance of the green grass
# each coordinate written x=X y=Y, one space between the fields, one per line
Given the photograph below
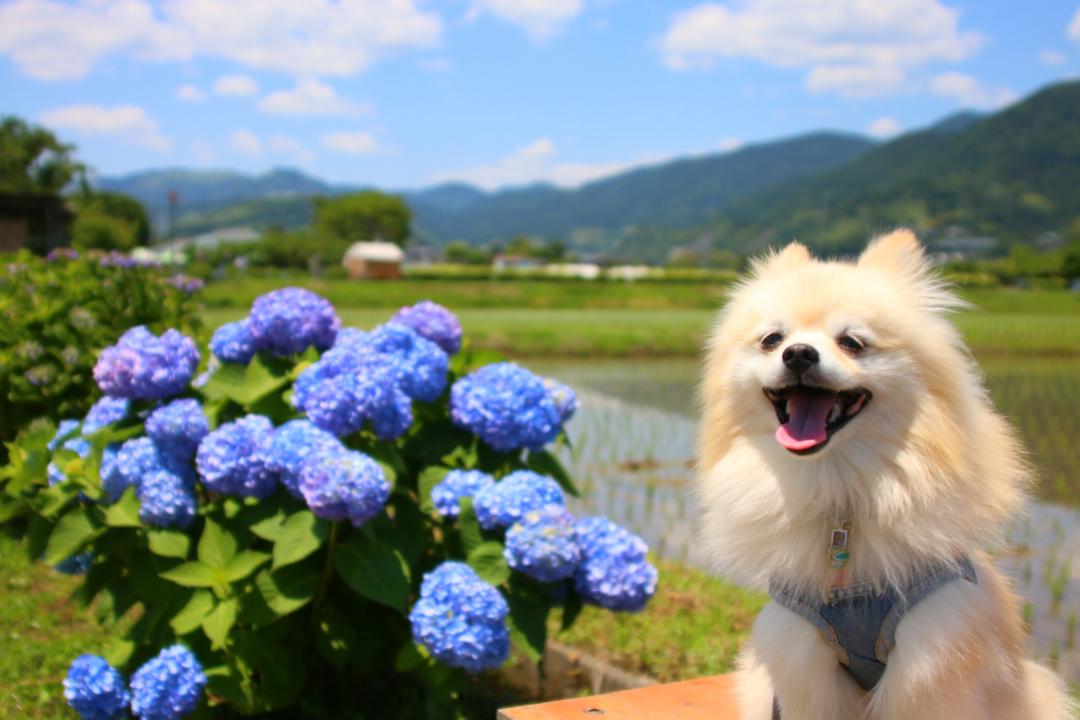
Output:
x=42 y=632
x=691 y=628
x=605 y=332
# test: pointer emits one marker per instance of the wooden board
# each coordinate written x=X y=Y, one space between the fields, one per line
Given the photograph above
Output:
x=709 y=698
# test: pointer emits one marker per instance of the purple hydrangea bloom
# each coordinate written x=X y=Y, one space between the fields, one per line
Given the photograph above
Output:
x=136 y=459
x=143 y=366
x=166 y=500
x=543 y=545
x=95 y=689
x=349 y=387
x=290 y=320
x=421 y=365
x=105 y=411
x=460 y=619
x=169 y=686
x=507 y=406
x=344 y=485
x=294 y=443
x=179 y=426
x=614 y=572
x=232 y=343
x=564 y=397
x=235 y=458
x=456 y=485
x=433 y=322
x=507 y=501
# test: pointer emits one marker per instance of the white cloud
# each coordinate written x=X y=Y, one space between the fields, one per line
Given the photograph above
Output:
x=1051 y=57
x=354 y=143
x=884 y=127
x=245 y=142
x=285 y=145
x=190 y=93
x=236 y=86
x=204 y=153
x=53 y=40
x=539 y=18
x=1074 y=27
x=848 y=45
x=126 y=122
x=311 y=97
x=729 y=144
x=855 y=80
x=530 y=163
x=969 y=92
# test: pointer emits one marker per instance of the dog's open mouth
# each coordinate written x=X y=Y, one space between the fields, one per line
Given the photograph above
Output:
x=810 y=415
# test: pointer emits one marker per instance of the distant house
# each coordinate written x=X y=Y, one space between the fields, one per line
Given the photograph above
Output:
x=213 y=239
x=515 y=262
x=373 y=260
x=33 y=221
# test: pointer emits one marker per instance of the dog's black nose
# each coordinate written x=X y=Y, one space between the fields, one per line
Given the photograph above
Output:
x=800 y=357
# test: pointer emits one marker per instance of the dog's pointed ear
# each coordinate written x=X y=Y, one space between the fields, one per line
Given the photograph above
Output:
x=899 y=251
x=792 y=256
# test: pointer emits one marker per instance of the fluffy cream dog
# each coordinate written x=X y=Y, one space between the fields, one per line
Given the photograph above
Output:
x=848 y=449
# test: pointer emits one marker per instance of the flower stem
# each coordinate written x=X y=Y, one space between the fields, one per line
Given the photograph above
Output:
x=328 y=571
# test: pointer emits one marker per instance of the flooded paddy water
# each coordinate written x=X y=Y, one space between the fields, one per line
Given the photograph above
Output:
x=633 y=444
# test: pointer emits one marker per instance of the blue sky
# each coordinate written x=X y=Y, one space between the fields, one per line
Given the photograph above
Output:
x=406 y=93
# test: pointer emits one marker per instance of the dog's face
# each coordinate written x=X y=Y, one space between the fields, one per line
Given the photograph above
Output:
x=818 y=354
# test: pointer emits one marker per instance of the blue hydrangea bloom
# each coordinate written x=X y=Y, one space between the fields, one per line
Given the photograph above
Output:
x=134 y=460
x=232 y=343
x=78 y=564
x=614 y=572
x=105 y=411
x=349 y=387
x=456 y=485
x=350 y=336
x=78 y=445
x=421 y=364
x=507 y=406
x=179 y=426
x=433 y=322
x=564 y=397
x=543 y=545
x=63 y=429
x=235 y=458
x=344 y=485
x=461 y=619
x=166 y=500
x=146 y=367
x=290 y=320
x=295 y=442
x=506 y=502
x=169 y=686
x=95 y=689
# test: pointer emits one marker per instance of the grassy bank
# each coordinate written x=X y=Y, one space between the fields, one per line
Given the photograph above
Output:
x=600 y=332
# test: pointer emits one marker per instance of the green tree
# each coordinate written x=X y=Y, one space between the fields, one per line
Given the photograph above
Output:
x=33 y=160
x=117 y=206
x=459 y=251
x=1070 y=261
x=364 y=216
x=94 y=230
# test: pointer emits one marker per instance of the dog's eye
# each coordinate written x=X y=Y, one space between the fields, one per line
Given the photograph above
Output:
x=851 y=344
x=771 y=340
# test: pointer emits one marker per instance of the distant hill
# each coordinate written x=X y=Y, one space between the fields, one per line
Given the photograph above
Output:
x=1013 y=175
x=676 y=194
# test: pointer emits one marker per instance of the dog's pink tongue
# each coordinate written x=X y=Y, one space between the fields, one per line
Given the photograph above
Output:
x=805 y=427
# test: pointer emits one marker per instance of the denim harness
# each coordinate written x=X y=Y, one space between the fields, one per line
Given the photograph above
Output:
x=859 y=622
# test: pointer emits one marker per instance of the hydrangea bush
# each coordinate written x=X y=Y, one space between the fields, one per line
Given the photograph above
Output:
x=323 y=522
x=57 y=314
